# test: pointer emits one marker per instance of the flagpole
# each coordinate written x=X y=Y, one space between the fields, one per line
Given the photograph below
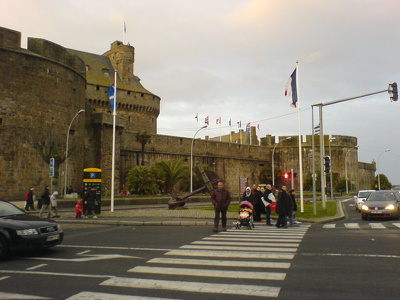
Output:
x=113 y=142
x=220 y=136
x=300 y=140
x=123 y=33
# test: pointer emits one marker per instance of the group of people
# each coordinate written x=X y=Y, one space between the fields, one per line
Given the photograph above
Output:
x=262 y=202
x=48 y=203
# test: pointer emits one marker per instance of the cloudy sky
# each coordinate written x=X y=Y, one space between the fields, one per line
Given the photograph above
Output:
x=232 y=59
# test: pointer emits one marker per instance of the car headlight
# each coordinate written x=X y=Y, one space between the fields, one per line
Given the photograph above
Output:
x=30 y=231
x=59 y=228
x=390 y=206
x=364 y=207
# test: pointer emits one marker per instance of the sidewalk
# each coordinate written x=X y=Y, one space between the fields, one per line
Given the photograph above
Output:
x=160 y=215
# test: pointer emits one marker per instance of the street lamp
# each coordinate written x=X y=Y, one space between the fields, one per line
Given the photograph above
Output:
x=379 y=178
x=66 y=151
x=191 y=158
x=273 y=152
x=345 y=167
x=330 y=169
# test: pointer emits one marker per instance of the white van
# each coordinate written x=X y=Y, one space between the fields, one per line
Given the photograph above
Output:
x=360 y=198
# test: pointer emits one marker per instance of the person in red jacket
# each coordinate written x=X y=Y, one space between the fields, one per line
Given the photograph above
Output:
x=78 y=209
x=221 y=199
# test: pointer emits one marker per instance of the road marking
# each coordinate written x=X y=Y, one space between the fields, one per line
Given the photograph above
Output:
x=329 y=226
x=376 y=225
x=245 y=243
x=238 y=248
x=3 y=278
x=86 y=258
x=19 y=296
x=36 y=267
x=84 y=252
x=205 y=253
x=196 y=287
x=55 y=274
x=352 y=225
x=396 y=224
x=114 y=248
x=261 y=235
x=106 y=296
x=352 y=255
x=220 y=263
x=210 y=273
x=289 y=240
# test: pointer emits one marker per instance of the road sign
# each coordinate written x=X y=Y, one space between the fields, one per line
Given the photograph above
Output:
x=52 y=166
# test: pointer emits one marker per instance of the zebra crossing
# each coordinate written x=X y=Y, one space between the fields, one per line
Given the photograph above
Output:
x=387 y=225
x=260 y=257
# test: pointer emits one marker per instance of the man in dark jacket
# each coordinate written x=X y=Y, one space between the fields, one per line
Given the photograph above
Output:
x=90 y=200
x=45 y=202
x=283 y=207
x=221 y=199
x=268 y=198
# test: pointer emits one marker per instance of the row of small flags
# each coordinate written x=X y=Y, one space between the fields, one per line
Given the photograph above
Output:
x=218 y=121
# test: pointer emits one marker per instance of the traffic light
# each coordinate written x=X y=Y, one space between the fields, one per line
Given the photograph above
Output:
x=286 y=175
x=327 y=164
x=393 y=91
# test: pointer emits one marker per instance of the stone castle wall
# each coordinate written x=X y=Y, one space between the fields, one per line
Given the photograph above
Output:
x=41 y=89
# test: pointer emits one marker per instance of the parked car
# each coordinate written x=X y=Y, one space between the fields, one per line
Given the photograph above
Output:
x=20 y=231
x=381 y=204
x=360 y=198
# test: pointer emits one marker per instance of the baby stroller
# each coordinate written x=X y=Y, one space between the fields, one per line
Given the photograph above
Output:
x=245 y=215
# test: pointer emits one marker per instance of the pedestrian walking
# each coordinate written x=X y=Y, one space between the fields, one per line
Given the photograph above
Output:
x=259 y=207
x=53 y=205
x=220 y=198
x=45 y=202
x=283 y=207
x=29 y=201
x=268 y=198
x=90 y=200
x=294 y=208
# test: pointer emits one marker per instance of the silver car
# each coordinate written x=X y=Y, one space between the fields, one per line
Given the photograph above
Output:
x=381 y=204
x=360 y=198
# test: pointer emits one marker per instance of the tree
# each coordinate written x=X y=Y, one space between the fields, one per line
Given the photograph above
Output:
x=143 y=137
x=265 y=175
x=385 y=184
x=172 y=173
x=142 y=181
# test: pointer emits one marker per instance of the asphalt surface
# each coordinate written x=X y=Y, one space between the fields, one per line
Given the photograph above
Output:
x=160 y=214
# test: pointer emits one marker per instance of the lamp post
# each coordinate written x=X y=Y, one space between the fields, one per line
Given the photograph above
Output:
x=330 y=169
x=191 y=158
x=66 y=151
x=273 y=152
x=345 y=167
x=379 y=178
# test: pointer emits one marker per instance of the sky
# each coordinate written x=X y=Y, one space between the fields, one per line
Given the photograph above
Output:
x=232 y=59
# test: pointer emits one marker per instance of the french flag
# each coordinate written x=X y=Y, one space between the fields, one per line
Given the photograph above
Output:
x=291 y=89
x=248 y=127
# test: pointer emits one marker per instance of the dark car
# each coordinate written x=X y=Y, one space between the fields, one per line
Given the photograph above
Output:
x=20 y=231
x=383 y=204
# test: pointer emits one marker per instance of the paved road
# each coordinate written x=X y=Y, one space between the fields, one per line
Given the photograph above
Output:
x=190 y=262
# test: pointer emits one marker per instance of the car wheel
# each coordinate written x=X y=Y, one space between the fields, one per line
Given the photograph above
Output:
x=3 y=247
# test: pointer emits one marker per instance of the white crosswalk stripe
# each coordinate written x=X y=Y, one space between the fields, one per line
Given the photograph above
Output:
x=266 y=250
x=361 y=225
x=107 y=296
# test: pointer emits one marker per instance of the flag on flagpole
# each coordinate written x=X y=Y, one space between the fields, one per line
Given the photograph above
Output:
x=239 y=124
x=111 y=96
x=218 y=121
x=206 y=120
x=317 y=129
x=124 y=27
x=230 y=122
x=197 y=117
x=258 y=126
x=248 y=127
x=291 y=89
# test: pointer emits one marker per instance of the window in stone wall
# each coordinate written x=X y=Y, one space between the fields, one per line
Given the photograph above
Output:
x=97 y=87
x=1 y=121
x=129 y=92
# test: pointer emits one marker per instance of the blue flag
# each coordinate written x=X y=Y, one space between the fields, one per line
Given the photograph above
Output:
x=111 y=96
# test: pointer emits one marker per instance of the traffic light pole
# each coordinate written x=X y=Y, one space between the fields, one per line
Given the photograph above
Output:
x=392 y=90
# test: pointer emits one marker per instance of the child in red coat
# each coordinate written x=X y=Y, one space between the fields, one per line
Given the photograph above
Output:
x=78 y=209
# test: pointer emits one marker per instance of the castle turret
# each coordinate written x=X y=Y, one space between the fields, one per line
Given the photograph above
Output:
x=122 y=58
